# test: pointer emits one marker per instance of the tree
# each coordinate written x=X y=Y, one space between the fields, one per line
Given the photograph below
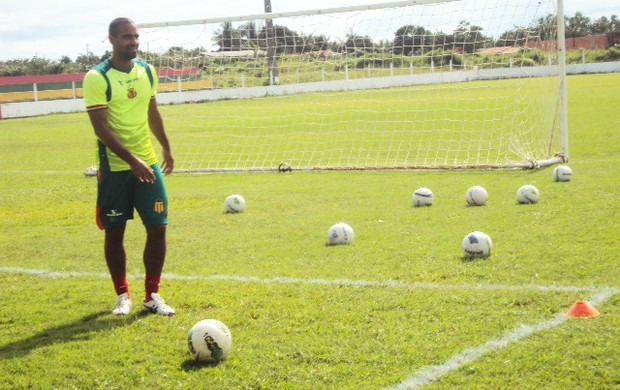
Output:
x=517 y=36
x=578 y=26
x=544 y=28
x=228 y=38
x=357 y=44
x=411 y=39
x=317 y=43
x=89 y=60
x=614 y=24
x=469 y=37
x=284 y=40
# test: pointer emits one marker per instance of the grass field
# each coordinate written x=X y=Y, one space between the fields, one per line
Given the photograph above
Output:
x=397 y=307
x=482 y=122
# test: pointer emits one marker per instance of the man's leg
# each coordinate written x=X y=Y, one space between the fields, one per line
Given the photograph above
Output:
x=116 y=260
x=154 y=257
x=115 y=256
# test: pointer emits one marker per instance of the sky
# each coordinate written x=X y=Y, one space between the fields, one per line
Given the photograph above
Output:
x=52 y=29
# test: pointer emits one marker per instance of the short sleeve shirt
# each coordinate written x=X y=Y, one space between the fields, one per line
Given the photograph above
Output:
x=126 y=96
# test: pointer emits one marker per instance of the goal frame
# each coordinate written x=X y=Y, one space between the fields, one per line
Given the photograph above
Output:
x=562 y=116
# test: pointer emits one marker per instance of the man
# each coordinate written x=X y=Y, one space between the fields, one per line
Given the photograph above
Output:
x=119 y=94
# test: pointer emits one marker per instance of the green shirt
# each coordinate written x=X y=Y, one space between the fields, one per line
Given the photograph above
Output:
x=126 y=96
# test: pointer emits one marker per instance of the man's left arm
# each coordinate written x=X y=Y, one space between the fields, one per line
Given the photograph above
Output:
x=156 y=123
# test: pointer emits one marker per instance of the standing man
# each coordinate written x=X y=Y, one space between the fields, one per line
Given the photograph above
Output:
x=119 y=94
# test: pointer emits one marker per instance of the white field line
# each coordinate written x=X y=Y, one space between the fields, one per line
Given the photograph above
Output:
x=328 y=282
x=423 y=376
x=429 y=374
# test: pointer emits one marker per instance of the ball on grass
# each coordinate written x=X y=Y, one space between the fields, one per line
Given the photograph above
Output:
x=422 y=197
x=476 y=244
x=209 y=341
x=527 y=194
x=340 y=233
x=562 y=173
x=234 y=203
x=285 y=167
x=476 y=196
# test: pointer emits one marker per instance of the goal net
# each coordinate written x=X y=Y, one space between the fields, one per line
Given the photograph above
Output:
x=401 y=85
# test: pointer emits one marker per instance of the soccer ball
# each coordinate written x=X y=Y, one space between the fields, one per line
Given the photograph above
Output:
x=285 y=167
x=340 y=233
x=209 y=341
x=476 y=196
x=527 y=194
x=562 y=173
x=234 y=203
x=477 y=244
x=422 y=197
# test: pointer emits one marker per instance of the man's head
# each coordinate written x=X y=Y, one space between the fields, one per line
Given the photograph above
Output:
x=123 y=34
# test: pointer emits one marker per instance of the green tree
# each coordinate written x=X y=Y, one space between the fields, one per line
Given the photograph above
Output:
x=516 y=37
x=286 y=40
x=411 y=39
x=469 y=38
x=357 y=44
x=89 y=60
x=614 y=24
x=228 y=38
x=578 y=26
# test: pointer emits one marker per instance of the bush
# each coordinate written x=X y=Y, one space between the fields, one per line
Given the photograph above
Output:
x=443 y=57
x=523 y=61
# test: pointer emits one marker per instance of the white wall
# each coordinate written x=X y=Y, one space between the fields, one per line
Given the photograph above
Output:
x=27 y=109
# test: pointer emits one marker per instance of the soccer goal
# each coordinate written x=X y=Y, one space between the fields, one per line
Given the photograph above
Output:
x=400 y=85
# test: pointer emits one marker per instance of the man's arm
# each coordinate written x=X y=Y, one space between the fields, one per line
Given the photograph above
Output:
x=156 y=124
x=99 y=120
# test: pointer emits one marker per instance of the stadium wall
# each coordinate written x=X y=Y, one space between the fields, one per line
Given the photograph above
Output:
x=28 y=109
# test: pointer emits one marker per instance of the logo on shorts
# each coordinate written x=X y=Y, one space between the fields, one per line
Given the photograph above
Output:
x=158 y=206
x=113 y=213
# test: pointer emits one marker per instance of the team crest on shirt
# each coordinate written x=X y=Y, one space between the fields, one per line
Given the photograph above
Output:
x=131 y=93
x=158 y=206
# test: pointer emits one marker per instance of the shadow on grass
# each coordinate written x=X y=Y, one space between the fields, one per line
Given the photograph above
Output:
x=194 y=365
x=82 y=329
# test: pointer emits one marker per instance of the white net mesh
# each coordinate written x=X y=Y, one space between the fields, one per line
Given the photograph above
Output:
x=452 y=84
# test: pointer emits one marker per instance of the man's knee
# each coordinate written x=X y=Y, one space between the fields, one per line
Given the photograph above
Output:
x=156 y=231
x=115 y=234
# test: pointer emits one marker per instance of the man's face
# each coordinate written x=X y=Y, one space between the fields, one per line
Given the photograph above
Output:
x=125 y=41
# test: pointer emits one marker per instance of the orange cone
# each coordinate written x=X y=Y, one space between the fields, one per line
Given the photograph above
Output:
x=582 y=309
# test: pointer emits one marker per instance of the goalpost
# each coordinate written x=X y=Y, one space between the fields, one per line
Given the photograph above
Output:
x=430 y=84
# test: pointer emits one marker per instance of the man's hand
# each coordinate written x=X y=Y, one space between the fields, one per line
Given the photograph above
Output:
x=142 y=171
x=167 y=164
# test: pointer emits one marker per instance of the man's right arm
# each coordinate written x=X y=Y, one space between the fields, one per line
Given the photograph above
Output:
x=99 y=120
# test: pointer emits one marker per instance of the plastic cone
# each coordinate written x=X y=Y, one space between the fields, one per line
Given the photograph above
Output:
x=582 y=309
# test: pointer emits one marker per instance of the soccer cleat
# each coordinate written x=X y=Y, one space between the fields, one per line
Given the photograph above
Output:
x=157 y=306
x=123 y=305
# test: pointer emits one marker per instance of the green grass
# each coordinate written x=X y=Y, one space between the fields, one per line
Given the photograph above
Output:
x=477 y=122
x=303 y=314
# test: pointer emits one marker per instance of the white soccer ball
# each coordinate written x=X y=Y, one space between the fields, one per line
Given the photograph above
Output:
x=234 y=203
x=476 y=196
x=285 y=167
x=527 y=194
x=477 y=244
x=340 y=233
x=422 y=197
x=209 y=341
x=562 y=173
